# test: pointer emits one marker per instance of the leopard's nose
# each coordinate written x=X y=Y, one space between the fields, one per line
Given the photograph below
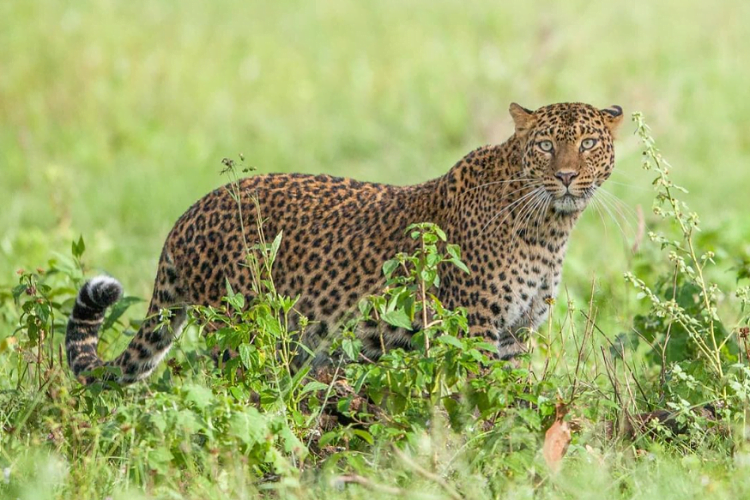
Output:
x=566 y=176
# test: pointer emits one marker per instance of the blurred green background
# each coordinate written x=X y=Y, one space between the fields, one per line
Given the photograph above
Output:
x=114 y=116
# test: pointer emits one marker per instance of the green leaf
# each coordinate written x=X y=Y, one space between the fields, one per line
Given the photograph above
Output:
x=296 y=380
x=237 y=393
x=351 y=348
x=364 y=435
x=275 y=245
x=78 y=247
x=250 y=426
x=18 y=290
x=118 y=310
x=486 y=346
x=389 y=266
x=450 y=340
x=397 y=318
x=459 y=264
x=327 y=438
x=313 y=386
x=453 y=250
x=200 y=396
x=432 y=259
x=291 y=442
x=364 y=307
x=158 y=421
x=159 y=459
x=237 y=301
x=476 y=355
x=246 y=351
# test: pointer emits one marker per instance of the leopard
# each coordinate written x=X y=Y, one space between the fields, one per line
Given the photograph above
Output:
x=510 y=207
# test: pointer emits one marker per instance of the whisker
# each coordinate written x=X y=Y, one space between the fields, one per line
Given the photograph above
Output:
x=528 y=198
x=619 y=202
x=542 y=215
x=536 y=208
x=597 y=206
x=625 y=212
x=516 y=202
x=522 y=217
x=519 y=210
x=607 y=208
x=535 y=214
x=524 y=220
x=505 y=195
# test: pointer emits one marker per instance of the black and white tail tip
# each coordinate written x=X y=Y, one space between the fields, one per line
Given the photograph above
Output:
x=82 y=334
x=99 y=293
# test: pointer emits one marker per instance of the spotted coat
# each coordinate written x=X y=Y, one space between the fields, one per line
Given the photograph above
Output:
x=510 y=207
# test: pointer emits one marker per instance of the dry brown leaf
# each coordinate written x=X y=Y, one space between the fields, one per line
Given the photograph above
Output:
x=557 y=439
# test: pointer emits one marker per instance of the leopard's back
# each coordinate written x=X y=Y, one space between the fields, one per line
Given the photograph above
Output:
x=335 y=234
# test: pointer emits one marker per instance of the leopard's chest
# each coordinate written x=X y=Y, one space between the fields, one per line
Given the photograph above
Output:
x=524 y=285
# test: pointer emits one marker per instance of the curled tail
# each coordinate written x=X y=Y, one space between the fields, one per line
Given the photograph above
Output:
x=82 y=335
x=145 y=351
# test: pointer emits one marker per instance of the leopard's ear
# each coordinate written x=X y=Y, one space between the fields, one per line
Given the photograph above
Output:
x=612 y=118
x=522 y=117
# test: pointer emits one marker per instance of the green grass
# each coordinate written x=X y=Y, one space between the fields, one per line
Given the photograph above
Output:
x=114 y=117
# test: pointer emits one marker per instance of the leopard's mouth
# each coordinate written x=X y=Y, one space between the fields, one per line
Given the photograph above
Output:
x=570 y=203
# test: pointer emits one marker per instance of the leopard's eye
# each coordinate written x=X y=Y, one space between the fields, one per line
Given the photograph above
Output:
x=587 y=144
x=546 y=146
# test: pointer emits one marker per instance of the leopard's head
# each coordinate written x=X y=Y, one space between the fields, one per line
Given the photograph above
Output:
x=566 y=150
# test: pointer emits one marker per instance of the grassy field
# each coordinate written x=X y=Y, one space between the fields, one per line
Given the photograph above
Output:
x=114 y=118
